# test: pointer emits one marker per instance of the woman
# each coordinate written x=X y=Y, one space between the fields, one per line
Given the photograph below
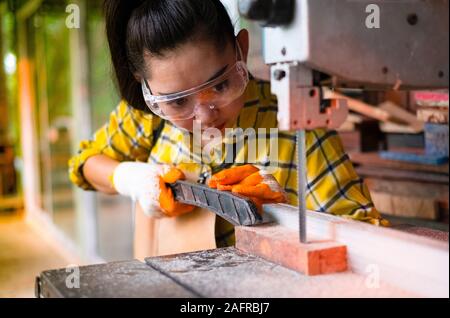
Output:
x=178 y=63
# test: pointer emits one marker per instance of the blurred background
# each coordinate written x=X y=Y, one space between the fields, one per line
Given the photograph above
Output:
x=56 y=89
x=48 y=75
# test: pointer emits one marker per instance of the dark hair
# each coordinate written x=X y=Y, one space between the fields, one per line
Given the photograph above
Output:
x=135 y=27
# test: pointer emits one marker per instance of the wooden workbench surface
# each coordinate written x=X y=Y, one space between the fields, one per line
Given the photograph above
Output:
x=221 y=273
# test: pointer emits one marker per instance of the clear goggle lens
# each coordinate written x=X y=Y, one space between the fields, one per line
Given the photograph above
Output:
x=215 y=94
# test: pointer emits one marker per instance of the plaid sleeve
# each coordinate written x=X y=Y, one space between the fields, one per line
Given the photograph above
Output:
x=127 y=136
x=333 y=185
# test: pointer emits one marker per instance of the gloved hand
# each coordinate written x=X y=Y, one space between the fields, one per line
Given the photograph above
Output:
x=260 y=186
x=146 y=183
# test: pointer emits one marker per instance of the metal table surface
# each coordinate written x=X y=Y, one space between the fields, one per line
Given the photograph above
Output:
x=220 y=273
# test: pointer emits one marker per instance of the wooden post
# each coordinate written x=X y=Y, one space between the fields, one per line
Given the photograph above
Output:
x=85 y=202
x=27 y=109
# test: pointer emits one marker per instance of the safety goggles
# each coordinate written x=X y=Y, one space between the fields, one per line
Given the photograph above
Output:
x=215 y=94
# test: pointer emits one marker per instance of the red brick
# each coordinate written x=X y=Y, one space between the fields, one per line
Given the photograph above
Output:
x=281 y=245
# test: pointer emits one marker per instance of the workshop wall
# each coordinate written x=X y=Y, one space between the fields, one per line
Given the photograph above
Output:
x=41 y=58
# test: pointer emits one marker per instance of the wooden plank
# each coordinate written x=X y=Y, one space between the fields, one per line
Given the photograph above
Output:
x=129 y=279
x=425 y=159
x=396 y=175
x=415 y=263
x=360 y=107
x=281 y=246
x=406 y=206
x=439 y=192
x=436 y=115
x=408 y=198
x=373 y=159
x=403 y=116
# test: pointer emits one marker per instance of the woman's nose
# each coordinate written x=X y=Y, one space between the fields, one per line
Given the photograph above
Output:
x=206 y=113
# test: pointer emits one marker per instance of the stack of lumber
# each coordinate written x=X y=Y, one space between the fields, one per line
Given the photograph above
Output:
x=432 y=107
x=410 y=178
x=403 y=189
x=393 y=118
x=372 y=128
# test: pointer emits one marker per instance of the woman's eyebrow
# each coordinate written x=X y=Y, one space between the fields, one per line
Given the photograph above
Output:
x=218 y=74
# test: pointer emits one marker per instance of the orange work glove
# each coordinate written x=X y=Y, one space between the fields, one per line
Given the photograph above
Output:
x=261 y=187
x=147 y=184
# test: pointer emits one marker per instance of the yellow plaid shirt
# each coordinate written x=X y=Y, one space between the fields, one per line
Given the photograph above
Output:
x=333 y=185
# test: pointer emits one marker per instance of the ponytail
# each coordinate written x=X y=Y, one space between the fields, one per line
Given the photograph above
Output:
x=117 y=17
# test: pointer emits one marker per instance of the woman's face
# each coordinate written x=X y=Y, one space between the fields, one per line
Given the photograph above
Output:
x=191 y=65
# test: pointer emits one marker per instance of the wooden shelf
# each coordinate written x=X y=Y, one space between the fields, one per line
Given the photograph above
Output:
x=373 y=159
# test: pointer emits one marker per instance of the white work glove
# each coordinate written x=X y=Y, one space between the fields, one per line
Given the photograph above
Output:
x=146 y=184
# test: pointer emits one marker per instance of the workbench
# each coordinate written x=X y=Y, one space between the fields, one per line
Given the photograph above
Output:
x=405 y=262
x=220 y=273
